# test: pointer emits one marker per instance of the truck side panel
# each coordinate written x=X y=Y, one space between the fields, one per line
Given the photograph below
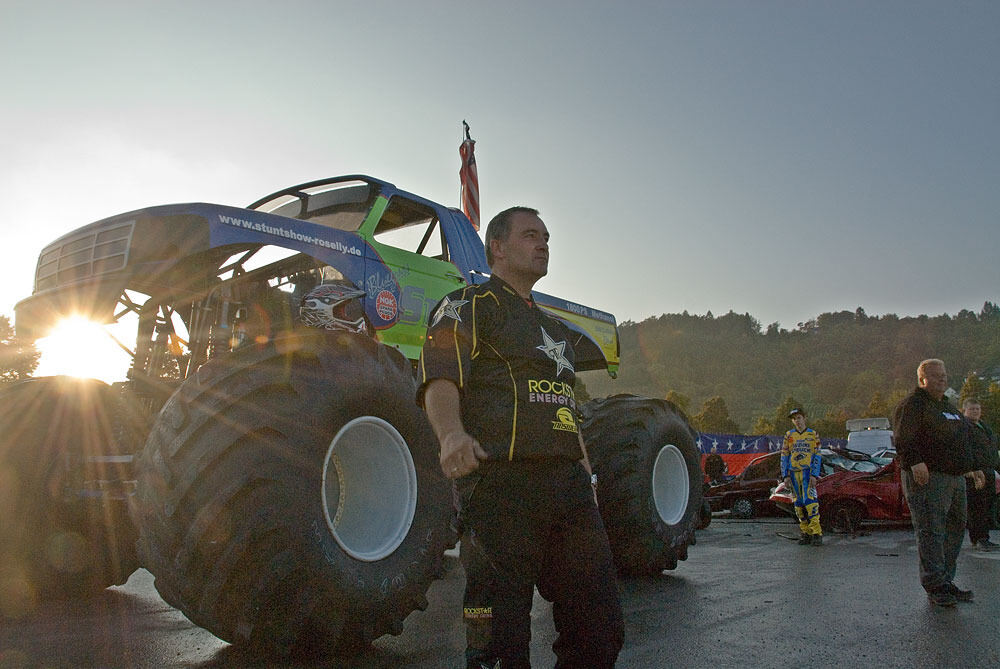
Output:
x=170 y=249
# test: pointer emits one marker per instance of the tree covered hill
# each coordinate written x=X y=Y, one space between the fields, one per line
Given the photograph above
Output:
x=835 y=365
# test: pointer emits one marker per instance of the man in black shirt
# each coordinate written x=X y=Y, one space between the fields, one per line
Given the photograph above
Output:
x=932 y=446
x=497 y=385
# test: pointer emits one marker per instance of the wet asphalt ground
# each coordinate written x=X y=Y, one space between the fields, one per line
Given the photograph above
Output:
x=746 y=597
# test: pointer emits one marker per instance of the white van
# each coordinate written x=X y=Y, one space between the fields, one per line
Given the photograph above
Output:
x=869 y=435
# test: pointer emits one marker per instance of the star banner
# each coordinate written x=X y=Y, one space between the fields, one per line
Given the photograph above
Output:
x=739 y=449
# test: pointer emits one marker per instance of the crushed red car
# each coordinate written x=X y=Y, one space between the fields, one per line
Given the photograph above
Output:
x=856 y=488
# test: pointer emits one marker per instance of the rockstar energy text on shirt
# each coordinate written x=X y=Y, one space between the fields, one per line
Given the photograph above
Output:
x=513 y=365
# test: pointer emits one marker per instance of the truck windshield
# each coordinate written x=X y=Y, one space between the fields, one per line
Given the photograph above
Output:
x=341 y=205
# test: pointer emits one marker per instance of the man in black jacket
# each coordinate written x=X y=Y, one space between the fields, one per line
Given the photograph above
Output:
x=984 y=458
x=932 y=445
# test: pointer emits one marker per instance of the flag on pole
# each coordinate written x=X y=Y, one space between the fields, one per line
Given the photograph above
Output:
x=469 y=177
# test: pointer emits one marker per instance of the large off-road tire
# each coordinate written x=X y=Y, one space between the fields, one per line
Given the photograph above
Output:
x=649 y=480
x=290 y=497
x=64 y=524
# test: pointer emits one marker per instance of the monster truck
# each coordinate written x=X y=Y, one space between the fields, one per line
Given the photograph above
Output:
x=282 y=482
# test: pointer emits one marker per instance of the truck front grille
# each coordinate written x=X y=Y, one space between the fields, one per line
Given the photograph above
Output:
x=84 y=256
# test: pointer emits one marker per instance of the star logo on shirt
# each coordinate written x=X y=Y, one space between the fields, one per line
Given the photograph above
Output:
x=449 y=308
x=556 y=351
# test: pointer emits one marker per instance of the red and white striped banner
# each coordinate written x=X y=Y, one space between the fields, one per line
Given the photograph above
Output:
x=469 y=177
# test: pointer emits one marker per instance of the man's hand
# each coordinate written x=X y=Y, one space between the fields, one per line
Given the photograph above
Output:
x=920 y=474
x=788 y=482
x=460 y=454
x=978 y=478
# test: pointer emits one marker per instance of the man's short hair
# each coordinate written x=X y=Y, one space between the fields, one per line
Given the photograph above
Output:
x=922 y=367
x=499 y=227
x=969 y=402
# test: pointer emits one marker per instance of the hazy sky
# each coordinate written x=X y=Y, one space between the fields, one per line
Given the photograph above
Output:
x=779 y=158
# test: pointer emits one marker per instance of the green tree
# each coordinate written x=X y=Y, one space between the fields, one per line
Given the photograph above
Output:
x=682 y=402
x=838 y=359
x=991 y=406
x=896 y=398
x=18 y=358
x=778 y=422
x=877 y=407
x=833 y=425
x=762 y=425
x=781 y=421
x=714 y=417
x=974 y=388
x=989 y=312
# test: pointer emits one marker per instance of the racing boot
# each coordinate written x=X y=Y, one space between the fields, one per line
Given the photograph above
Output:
x=804 y=539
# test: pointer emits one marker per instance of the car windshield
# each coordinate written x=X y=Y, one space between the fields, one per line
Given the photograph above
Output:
x=764 y=467
x=849 y=460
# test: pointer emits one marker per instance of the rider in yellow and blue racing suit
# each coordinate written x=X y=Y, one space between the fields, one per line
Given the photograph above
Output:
x=801 y=465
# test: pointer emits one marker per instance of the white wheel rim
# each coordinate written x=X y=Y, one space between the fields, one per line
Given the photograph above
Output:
x=369 y=488
x=671 y=487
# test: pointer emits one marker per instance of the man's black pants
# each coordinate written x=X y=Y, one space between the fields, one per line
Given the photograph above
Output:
x=535 y=523
x=980 y=506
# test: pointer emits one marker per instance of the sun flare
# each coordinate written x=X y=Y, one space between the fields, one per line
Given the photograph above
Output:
x=83 y=348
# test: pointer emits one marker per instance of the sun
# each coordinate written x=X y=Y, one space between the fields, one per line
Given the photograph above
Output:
x=80 y=347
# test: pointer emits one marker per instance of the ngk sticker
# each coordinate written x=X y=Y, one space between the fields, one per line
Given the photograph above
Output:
x=385 y=305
